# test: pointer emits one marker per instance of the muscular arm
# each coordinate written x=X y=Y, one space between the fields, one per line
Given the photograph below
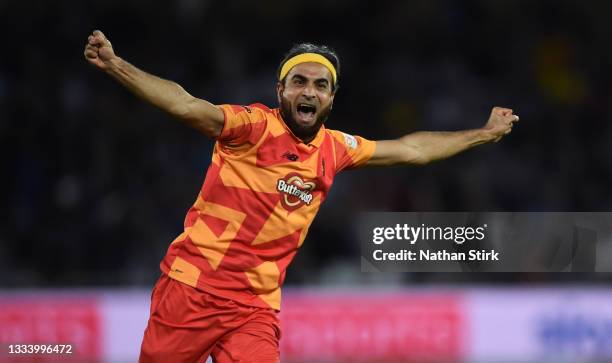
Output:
x=421 y=148
x=163 y=94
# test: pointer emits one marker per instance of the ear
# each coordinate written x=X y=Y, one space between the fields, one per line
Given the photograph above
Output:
x=280 y=88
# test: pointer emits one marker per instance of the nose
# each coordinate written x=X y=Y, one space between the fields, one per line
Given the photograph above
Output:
x=309 y=92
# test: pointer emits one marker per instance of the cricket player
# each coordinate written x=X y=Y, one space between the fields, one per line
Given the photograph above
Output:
x=271 y=168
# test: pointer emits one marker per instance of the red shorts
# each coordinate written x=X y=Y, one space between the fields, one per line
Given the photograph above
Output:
x=187 y=325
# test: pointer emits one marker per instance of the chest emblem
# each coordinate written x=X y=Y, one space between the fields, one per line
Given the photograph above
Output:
x=295 y=191
x=290 y=156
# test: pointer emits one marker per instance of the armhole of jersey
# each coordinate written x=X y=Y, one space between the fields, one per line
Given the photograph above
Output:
x=333 y=141
x=365 y=161
x=255 y=146
x=224 y=122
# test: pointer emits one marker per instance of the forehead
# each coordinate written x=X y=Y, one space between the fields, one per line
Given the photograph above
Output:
x=310 y=70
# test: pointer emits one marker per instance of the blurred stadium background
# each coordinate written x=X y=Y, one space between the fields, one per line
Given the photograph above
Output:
x=96 y=183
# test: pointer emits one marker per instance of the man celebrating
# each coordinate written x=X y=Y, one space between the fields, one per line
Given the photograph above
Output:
x=271 y=169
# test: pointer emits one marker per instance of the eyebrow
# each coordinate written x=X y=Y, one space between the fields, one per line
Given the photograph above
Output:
x=304 y=78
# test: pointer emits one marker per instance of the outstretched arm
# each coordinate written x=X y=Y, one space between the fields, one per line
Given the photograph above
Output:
x=163 y=94
x=421 y=148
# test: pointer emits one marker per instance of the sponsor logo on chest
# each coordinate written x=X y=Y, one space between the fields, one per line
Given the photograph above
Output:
x=295 y=191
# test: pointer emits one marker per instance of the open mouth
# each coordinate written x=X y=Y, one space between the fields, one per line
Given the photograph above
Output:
x=306 y=111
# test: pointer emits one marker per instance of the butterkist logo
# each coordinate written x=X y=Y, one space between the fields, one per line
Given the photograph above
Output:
x=295 y=191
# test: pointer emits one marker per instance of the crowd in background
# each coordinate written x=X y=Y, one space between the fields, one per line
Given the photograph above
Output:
x=96 y=183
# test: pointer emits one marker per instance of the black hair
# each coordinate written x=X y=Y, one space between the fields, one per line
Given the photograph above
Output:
x=323 y=50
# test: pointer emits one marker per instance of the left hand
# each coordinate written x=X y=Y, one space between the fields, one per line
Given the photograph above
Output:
x=99 y=51
x=500 y=123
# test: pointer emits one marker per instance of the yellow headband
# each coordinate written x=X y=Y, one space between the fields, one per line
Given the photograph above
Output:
x=304 y=58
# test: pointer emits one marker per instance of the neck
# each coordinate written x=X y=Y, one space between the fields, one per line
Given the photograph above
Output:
x=307 y=140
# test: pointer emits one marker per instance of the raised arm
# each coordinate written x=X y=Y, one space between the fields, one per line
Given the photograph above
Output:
x=163 y=94
x=421 y=148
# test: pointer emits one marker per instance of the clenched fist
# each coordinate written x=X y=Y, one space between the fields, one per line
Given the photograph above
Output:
x=500 y=123
x=98 y=50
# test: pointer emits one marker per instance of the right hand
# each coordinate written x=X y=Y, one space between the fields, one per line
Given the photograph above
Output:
x=99 y=51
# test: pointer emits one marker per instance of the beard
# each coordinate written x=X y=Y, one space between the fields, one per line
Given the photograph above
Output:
x=306 y=133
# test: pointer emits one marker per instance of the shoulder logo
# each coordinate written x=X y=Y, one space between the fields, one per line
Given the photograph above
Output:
x=350 y=141
x=295 y=191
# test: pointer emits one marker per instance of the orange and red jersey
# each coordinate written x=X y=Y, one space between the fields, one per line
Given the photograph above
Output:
x=262 y=190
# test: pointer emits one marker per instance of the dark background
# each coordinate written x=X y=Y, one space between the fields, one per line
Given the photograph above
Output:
x=96 y=183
